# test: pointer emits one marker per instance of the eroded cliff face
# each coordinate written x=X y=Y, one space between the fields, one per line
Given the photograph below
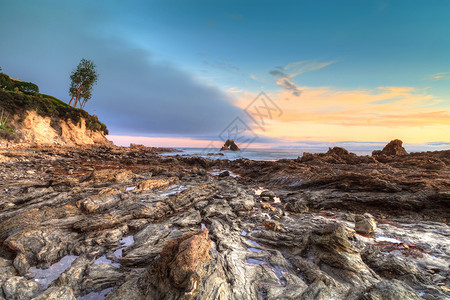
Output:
x=34 y=128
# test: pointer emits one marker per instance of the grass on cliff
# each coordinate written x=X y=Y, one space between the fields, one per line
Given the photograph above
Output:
x=47 y=106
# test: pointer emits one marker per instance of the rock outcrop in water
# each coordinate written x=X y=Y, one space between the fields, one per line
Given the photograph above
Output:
x=126 y=223
x=230 y=145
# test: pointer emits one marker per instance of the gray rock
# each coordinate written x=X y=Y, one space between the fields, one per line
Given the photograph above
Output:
x=365 y=224
x=20 y=288
x=57 y=293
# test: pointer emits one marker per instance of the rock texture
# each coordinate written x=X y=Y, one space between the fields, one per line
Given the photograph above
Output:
x=126 y=223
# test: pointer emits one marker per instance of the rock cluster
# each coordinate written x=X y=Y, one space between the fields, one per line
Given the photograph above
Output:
x=126 y=223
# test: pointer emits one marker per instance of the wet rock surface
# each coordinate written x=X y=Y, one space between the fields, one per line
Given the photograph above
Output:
x=127 y=223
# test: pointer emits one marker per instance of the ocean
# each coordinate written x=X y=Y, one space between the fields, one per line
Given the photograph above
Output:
x=254 y=154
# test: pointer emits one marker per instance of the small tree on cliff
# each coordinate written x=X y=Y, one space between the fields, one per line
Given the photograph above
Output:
x=83 y=79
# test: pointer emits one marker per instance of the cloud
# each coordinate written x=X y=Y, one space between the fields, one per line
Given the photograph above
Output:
x=383 y=107
x=285 y=74
x=440 y=76
x=381 y=114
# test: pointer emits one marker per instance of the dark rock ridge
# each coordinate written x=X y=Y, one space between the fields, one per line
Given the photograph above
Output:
x=127 y=223
x=230 y=145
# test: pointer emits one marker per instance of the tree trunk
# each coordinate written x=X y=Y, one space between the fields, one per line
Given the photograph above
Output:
x=78 y=90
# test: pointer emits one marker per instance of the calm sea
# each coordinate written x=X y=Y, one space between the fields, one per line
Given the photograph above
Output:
x=255 y=154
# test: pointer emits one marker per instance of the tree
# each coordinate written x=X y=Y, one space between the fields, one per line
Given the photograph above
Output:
x=83 y=78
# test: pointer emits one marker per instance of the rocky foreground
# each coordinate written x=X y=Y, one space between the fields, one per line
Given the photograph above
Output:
x=127 y=223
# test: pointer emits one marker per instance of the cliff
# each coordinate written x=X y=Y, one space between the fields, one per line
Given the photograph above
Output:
x=43 y=119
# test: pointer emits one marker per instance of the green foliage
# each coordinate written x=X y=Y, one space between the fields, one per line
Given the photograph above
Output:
x=6 y=82
x=48 y=106
x=27 y=87
x=83 y=78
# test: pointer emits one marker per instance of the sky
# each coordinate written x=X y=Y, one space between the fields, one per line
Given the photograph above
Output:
x=266 y=73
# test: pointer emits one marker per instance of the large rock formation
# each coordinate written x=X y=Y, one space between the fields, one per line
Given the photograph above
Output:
x=230 y=145
x=393 y=148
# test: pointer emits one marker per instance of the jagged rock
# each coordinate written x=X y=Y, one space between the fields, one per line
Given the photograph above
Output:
x=20 y=288
x=335 y=245
x=182 y=263
x=365 y=224
x=230 y=145
x=394 y=147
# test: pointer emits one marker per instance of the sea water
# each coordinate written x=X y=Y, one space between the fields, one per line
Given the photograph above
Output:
x=254 y=154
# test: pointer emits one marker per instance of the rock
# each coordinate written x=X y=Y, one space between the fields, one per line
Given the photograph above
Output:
x=389 y=290
x=224 y=174
x=230 y=145
x=307 y=157
x=111 y=176
x=394 y=147
x=182 y=263
x=267 y=195
x=153 y=184
x=20 y=288
x=296 y=204
x=365 y=224
x=101 y=276
x=57 y=293
x=334 y=245
x=107 y=198
x=272 y=225
x=242 y=202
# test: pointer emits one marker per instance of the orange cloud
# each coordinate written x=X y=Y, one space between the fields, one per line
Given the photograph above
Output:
x=363 y=114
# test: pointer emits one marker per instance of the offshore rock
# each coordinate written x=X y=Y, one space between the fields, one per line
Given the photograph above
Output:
x=230 y=145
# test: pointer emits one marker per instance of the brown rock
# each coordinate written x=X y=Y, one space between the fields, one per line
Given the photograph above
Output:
x=182 y=261
x=230 y=145
x=393 y=148
x=273 y=225
x=153 y=184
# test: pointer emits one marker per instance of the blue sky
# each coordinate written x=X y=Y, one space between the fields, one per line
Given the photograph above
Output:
x=184 y=69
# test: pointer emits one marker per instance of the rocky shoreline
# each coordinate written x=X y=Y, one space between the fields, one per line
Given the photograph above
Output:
x=126 y=223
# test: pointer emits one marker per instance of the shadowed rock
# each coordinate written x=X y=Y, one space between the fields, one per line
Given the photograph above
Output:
x=230 y=145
